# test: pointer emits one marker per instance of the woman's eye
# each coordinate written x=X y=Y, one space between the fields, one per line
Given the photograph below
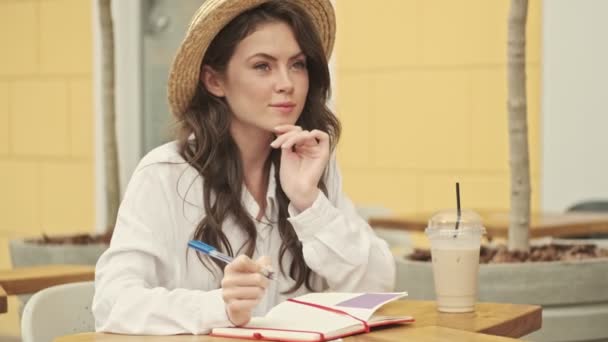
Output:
x=262 y=66
x=300 y=65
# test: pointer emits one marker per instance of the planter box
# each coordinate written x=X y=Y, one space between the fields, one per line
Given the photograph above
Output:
x=574 y=295
x=24 y=253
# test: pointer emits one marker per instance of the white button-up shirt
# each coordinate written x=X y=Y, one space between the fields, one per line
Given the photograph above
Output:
x=150 y=282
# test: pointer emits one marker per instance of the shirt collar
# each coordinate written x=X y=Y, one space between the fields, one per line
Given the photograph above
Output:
x=271 y=204
x=272 y=187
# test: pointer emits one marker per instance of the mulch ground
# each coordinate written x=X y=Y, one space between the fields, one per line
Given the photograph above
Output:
x=551 y=252
x=76 y=239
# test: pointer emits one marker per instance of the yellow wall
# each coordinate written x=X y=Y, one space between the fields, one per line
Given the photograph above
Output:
x=422 y=97
x=46 y=122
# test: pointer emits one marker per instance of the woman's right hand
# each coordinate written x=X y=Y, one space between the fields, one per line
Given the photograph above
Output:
x=243 y=287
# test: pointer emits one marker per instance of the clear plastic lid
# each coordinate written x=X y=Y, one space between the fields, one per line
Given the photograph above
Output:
x=446 y=220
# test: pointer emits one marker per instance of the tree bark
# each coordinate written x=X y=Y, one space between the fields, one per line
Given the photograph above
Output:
x=519 y=218
x=112 y=184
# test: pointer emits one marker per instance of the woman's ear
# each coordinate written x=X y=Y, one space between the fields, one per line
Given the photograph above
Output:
x=211 y=81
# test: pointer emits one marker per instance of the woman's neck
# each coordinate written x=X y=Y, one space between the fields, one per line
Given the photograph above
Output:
x=254 y=147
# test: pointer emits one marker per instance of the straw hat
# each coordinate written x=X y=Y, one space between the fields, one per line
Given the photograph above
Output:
x=208 y=21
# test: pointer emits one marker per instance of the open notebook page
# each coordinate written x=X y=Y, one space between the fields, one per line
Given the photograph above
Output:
x=360 y=305
x=295 y=322
x=294 y=316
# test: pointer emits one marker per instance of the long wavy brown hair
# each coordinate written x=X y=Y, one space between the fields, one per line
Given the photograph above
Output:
x=215 y=155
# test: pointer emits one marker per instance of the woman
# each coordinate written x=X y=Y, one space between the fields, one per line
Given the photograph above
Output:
x=251 y=173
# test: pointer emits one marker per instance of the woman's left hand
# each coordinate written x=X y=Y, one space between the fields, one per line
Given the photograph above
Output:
x=304 y=156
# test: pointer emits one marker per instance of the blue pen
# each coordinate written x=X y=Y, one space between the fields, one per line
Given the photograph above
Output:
x=214 y=253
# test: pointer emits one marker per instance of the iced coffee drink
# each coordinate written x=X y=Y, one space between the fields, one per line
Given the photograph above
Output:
x=455 y=255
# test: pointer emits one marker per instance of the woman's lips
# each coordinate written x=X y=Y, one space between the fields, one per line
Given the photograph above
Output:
x=284 y=108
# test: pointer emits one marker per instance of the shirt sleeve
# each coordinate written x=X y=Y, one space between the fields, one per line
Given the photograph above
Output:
x=133 y=291
x=339 y=245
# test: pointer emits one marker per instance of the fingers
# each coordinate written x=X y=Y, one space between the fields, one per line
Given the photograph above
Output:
x=294 y=135
x=243 y=287
x=289 y=135
x=238 y=306
x=239 y=311
x=306 y=138
x=244 y=279
x=266 y=267
x=280 y=140
x=242 y=264
x=244 y=272
x=240 y=293
x=301 y=139
x=321 y=136
x=264 y=261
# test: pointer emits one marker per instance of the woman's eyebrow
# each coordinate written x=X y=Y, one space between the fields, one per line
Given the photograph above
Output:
x=273 y=58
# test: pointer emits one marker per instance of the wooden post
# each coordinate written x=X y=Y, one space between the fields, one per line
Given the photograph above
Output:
x=112 y=185
x=519 y=218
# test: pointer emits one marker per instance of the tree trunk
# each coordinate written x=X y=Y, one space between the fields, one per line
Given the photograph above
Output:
x=112 y=183
x=519 y=218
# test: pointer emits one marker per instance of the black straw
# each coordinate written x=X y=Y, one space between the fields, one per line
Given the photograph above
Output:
x=458 y=204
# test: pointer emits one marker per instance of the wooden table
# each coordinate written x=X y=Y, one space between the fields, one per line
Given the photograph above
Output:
x=3 y=303
x=497 y=223
x=490 y=322
x=423 y=334
x=23 y=280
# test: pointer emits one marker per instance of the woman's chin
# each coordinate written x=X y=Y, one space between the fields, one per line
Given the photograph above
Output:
x=284 y=121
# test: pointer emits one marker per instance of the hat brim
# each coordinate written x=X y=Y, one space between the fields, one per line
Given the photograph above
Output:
x=208 y=21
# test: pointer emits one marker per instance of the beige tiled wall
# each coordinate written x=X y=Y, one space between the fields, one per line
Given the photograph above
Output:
x=422 y=96
x=46 y=123
x=46 y=115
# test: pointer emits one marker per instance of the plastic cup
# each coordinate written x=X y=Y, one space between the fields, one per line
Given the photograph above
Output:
x=455 y=255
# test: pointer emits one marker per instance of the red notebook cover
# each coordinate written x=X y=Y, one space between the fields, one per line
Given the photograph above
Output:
x=318 y=317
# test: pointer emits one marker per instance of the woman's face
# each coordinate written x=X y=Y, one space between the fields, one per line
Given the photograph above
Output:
x=266 y=80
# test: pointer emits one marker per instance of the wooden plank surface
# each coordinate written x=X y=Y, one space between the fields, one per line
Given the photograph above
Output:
x=497 y=223
x=96 y=337
x=424 y=334
x=23 y=280
x=3 y=303
x=431 y=333
x=489 y=322
x=511 y=320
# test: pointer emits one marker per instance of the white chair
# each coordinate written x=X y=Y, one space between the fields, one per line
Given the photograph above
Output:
x=57 y=311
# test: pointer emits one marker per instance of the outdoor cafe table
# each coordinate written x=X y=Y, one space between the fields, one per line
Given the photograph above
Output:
x=497 y=223
x=3 y=301
x=490 y=322
x=26 y=280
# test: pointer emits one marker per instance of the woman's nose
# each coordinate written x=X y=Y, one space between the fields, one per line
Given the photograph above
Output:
x=284 y=83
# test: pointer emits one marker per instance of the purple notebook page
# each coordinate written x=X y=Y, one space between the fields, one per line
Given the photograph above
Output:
x=368 y=300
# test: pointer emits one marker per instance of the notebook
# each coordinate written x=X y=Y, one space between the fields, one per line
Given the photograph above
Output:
x=318 y=317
